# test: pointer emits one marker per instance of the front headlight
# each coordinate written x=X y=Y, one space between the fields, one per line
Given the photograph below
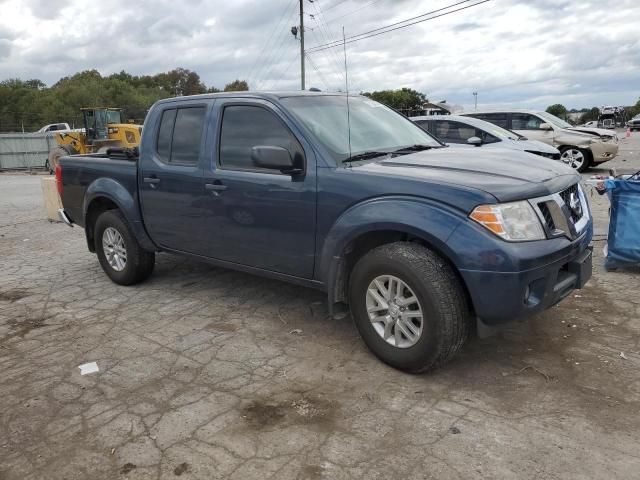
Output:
x=514 y=222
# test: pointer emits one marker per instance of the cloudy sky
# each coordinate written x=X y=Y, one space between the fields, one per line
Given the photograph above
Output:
x=524 y=53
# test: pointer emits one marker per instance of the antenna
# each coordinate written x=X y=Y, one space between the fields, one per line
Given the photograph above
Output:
x=346 y=84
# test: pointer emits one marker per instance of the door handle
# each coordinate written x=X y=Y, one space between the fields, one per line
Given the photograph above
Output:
x=151 y=180
x=215 y=186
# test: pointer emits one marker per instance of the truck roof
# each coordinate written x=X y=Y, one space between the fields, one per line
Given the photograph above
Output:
x=255 y=94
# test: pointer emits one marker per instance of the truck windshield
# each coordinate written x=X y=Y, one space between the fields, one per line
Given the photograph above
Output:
x=374 y=127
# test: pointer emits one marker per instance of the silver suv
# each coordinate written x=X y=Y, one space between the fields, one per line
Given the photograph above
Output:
x=580 y=147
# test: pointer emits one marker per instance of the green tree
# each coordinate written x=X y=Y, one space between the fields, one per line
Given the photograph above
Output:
x=404 y=99
x=558 y=110
x=236 y=86
x=590 y=115
x=30 y=104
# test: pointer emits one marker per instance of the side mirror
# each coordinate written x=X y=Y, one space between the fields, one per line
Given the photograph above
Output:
x=477 y=141
x=274 y=158
x=545 y=126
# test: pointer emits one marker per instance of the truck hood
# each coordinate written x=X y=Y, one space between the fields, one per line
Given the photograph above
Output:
x=507 y=175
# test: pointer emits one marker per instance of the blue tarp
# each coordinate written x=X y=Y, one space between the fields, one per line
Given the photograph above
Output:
x=624 y=224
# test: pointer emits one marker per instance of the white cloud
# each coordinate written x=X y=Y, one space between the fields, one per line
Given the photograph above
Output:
x=513 y=52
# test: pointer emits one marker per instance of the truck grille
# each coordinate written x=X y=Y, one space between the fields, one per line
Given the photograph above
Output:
x=565 y=213
x=571 y=199
x=548 y=218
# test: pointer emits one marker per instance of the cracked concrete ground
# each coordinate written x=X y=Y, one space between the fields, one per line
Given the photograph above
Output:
x=201 y=378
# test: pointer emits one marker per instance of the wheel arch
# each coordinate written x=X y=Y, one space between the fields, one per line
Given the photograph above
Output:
x=107 y=194
x=342 y=249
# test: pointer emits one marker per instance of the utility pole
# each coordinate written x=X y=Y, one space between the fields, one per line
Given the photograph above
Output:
x=302 y=44
x=475 y=95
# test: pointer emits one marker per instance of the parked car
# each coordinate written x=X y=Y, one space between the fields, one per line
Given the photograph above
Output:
x=417 y=239
x=55 y=127
x=580 y=147
x=634 y=123
x=458 y=130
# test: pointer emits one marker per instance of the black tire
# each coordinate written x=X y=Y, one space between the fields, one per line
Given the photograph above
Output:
x=139 y=262
x=446 y=315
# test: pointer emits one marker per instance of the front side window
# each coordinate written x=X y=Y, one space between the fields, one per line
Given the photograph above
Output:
x=525 y=121
x=180 y=135
x=247 y=126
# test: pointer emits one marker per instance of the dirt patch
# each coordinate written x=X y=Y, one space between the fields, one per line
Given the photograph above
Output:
x=127 y=467
x=13 y=295
x=312 y=472
x=180 y=469
x=20 y=326
x=261 y=414
x=222 y=327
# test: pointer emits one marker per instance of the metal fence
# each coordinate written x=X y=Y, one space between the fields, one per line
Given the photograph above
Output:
x=25 y=151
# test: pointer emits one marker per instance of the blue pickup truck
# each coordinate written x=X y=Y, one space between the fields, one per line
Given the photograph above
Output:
x=421 y=241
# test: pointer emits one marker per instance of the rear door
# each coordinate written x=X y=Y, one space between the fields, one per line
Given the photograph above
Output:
x=262 y=218
x=170 y=177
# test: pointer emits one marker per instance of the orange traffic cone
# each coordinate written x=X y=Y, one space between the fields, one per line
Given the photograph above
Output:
x=628 y=132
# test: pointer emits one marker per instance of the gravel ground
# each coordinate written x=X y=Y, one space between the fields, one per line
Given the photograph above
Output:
x=207 y=373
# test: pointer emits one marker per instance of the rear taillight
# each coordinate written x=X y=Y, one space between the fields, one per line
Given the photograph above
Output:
x=59 y=178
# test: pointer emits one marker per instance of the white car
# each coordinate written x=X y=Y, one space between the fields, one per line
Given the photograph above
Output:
x=55 y=127
x=580 y=147
x=458 y=130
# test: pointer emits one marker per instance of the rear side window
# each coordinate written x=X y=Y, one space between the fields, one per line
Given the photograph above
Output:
x=180 y=135
x=454 y=132
x=499 y=119
x=425 y=125
x=244 y=127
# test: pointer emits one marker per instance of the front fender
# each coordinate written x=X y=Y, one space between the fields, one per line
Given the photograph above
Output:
x=126 y=202
x=424 y=219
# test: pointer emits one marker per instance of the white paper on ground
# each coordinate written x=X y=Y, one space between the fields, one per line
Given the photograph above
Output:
x=87 y=368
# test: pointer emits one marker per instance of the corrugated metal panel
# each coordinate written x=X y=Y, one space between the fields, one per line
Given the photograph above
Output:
x=25 y=150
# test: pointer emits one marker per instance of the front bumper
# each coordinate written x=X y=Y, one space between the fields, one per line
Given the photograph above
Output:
x=500 y=297
x=604 y=151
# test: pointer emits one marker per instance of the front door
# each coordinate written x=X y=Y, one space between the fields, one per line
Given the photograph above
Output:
x=529 y=125
x=261 y=218
x=170 y=178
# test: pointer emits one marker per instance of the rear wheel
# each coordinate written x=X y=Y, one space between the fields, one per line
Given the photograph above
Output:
x=577 y=158
x=408 y=306
x=119 y=253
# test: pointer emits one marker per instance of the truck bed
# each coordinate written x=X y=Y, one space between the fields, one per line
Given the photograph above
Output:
x=80 y=171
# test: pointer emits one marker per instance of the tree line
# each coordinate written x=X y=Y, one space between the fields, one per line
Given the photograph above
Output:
x=27 y=105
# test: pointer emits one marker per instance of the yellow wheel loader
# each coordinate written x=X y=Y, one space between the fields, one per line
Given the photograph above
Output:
x=103 y=128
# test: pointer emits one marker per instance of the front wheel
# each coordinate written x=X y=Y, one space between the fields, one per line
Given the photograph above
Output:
x=577 y=158
x=409 y=306
x=122 y=258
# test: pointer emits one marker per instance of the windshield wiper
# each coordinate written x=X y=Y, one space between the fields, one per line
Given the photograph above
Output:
x=414 y=148
x=364 y=156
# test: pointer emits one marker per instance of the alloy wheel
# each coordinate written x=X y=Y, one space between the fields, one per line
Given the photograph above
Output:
x=394 y=311
x=114 y=249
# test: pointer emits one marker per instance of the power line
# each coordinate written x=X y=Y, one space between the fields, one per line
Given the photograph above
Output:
x=313 y=65
x=286 y=69
x=334 y=5
x=386 y=29
x=264 y=60
x=332 y=19
x=319 y=21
